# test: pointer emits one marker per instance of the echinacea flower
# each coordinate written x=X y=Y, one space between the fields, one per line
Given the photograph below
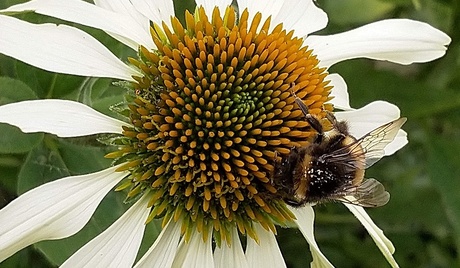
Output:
x=209 y=104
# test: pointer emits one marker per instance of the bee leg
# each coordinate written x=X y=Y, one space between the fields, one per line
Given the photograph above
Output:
x=301 y=105
x=314 y=123
x=299 y=102
x=331 y=117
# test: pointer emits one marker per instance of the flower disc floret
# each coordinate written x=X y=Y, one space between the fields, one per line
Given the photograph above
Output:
x=213 y=108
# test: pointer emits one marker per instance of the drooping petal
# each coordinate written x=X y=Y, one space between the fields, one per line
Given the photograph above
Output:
x=302 y=16
x=362 y=121
x=53 y=210
x=305 y=217
x=161 y=254
x=118 y=245
x=397 y=40
x=209 y=5
x=230 y=255
x=84 y=13
x=383 y=243
x=61 y=49
x=195 y=253
x=266 y=253
x=339 y=91
x=61 y=117
x=157 y=11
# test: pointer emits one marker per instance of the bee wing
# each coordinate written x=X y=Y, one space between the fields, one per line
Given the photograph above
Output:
x=370 y=193
x=374 y=142
x=371 y=145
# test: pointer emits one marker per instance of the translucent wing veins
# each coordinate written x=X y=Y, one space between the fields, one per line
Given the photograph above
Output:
x=370 y=193
x=372 y=144
x=375 y=141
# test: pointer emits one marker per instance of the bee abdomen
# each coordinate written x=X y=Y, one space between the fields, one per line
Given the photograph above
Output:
x=323 y=182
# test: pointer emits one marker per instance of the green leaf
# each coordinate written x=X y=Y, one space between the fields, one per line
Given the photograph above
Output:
x=7 y=66
x=42 y=165
x=83 y=155
x=7 y=3
x=12 y=140
x=39 y=80
x=27 y=257
x=12 y=90
x=9 y=166
x=47 y=84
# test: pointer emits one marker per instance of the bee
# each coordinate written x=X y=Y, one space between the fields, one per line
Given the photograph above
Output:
x=332 y=166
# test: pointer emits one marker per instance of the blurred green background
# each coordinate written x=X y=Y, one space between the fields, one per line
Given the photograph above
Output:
x=423 y=216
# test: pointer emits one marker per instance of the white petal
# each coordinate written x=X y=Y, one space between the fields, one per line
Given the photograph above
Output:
x=383 y=243
x=398 y=40
x=339 y=91
x=157 y=11
x=371 y=116
x=302 y=16
x=90 y=15
x=125 y=7
x=209 y=5
x=61 y=117
x=267 y=253
x=143 y=23
x=161 y=254
x=230 y=256
x=305 y=217
x=118 y=245
x=53 y=210
x=60 y=48
x=266 y=8
x=195 y=253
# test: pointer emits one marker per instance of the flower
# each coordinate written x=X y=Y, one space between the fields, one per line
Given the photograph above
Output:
x=210 y=105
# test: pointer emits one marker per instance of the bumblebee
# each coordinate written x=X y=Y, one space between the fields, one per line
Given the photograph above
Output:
x=332 y=166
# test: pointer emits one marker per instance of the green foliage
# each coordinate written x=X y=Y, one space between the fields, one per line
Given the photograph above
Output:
x=422 y=218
